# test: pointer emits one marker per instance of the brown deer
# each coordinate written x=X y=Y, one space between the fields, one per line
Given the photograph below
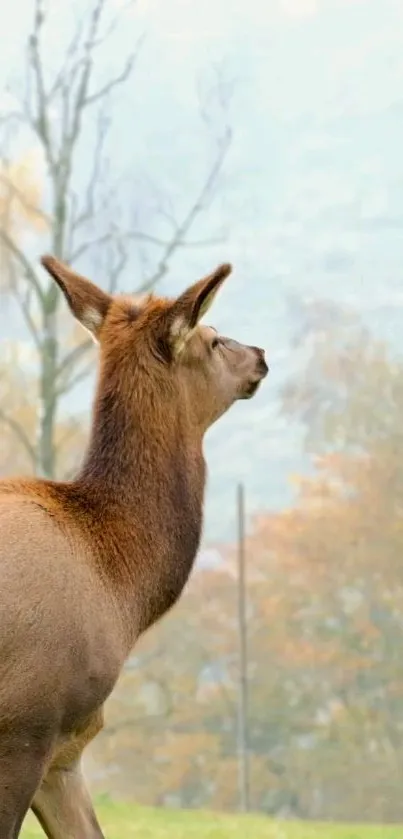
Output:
x=89 y=565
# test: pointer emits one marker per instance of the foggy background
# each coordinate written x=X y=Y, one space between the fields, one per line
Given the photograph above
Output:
x=267 y=135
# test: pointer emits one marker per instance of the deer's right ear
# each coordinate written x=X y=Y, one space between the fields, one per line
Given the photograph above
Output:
x=88 y=303
x=193 y=304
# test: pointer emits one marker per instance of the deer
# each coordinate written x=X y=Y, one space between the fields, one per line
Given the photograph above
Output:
x=88 y=565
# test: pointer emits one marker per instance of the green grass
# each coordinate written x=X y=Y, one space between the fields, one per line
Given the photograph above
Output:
x=127 y=822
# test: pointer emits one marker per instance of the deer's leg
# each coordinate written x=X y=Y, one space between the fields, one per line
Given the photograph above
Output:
x=63 y=806
x=22 y=765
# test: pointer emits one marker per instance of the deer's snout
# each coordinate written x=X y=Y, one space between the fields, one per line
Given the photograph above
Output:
x=262 y=366
x=261 y=370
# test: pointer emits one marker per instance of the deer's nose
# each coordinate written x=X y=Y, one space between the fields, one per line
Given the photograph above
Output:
x=263 y=367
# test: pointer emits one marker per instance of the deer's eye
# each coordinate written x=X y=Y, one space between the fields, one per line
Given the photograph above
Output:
x=215 y=343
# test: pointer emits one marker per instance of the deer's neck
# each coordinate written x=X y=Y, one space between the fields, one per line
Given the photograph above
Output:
x=144 y=477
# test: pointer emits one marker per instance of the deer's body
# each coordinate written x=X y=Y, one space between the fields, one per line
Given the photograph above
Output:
x=87 y=566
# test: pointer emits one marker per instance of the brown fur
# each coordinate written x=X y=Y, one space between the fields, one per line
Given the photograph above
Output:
x=87 y=566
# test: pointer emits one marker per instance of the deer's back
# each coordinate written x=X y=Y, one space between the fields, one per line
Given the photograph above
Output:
x=60 y=644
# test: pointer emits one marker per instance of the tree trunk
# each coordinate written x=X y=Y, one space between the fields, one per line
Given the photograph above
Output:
x=46 y=466
x=48 y=389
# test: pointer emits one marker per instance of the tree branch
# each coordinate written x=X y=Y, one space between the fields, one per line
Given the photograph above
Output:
x=19 y=432
x=116 y=270
x=139 y=236
x=8 y=118
x=117 y=80
x=24 y=262
x=70 y=360
x=69 y=433
x=80 y=100
x=89 y=207
x=63 y=73
x=40 y=121
x=113 y=23
x=178 y=240
x=82 y=374
x=24 y=304
x=82 y=249
x=30 y=208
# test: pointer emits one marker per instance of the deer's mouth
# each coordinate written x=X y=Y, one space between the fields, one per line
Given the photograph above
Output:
x=250 y=390
x=253 y=386
x=261 y=372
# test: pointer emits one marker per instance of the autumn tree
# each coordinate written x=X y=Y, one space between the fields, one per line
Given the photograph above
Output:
x=66 y=112
x=347 y=389
x=342 y=543
x=171 y=732
x=341 y=613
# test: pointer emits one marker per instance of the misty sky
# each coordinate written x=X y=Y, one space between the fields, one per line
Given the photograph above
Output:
x=298 y=67
x=311 y=194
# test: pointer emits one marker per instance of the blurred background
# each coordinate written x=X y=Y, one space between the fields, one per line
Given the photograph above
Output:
x=145 y=142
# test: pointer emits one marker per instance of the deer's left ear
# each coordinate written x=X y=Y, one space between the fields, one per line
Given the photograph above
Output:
x=87 y=302
x=192 y=305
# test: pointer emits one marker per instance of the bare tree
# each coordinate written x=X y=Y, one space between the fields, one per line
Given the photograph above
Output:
x=57 y=107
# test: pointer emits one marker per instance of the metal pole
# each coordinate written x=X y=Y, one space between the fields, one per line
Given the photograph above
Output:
x=243 y=755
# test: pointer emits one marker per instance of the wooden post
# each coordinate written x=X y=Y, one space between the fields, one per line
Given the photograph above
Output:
x=243 y=753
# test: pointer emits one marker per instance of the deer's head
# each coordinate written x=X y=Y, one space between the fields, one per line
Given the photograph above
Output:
x=162 y=343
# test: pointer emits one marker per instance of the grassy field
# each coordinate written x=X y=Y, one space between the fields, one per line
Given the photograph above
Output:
x=126 y=822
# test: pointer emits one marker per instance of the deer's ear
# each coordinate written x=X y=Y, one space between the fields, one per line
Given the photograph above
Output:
x=88 y=303
x=192 y=305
